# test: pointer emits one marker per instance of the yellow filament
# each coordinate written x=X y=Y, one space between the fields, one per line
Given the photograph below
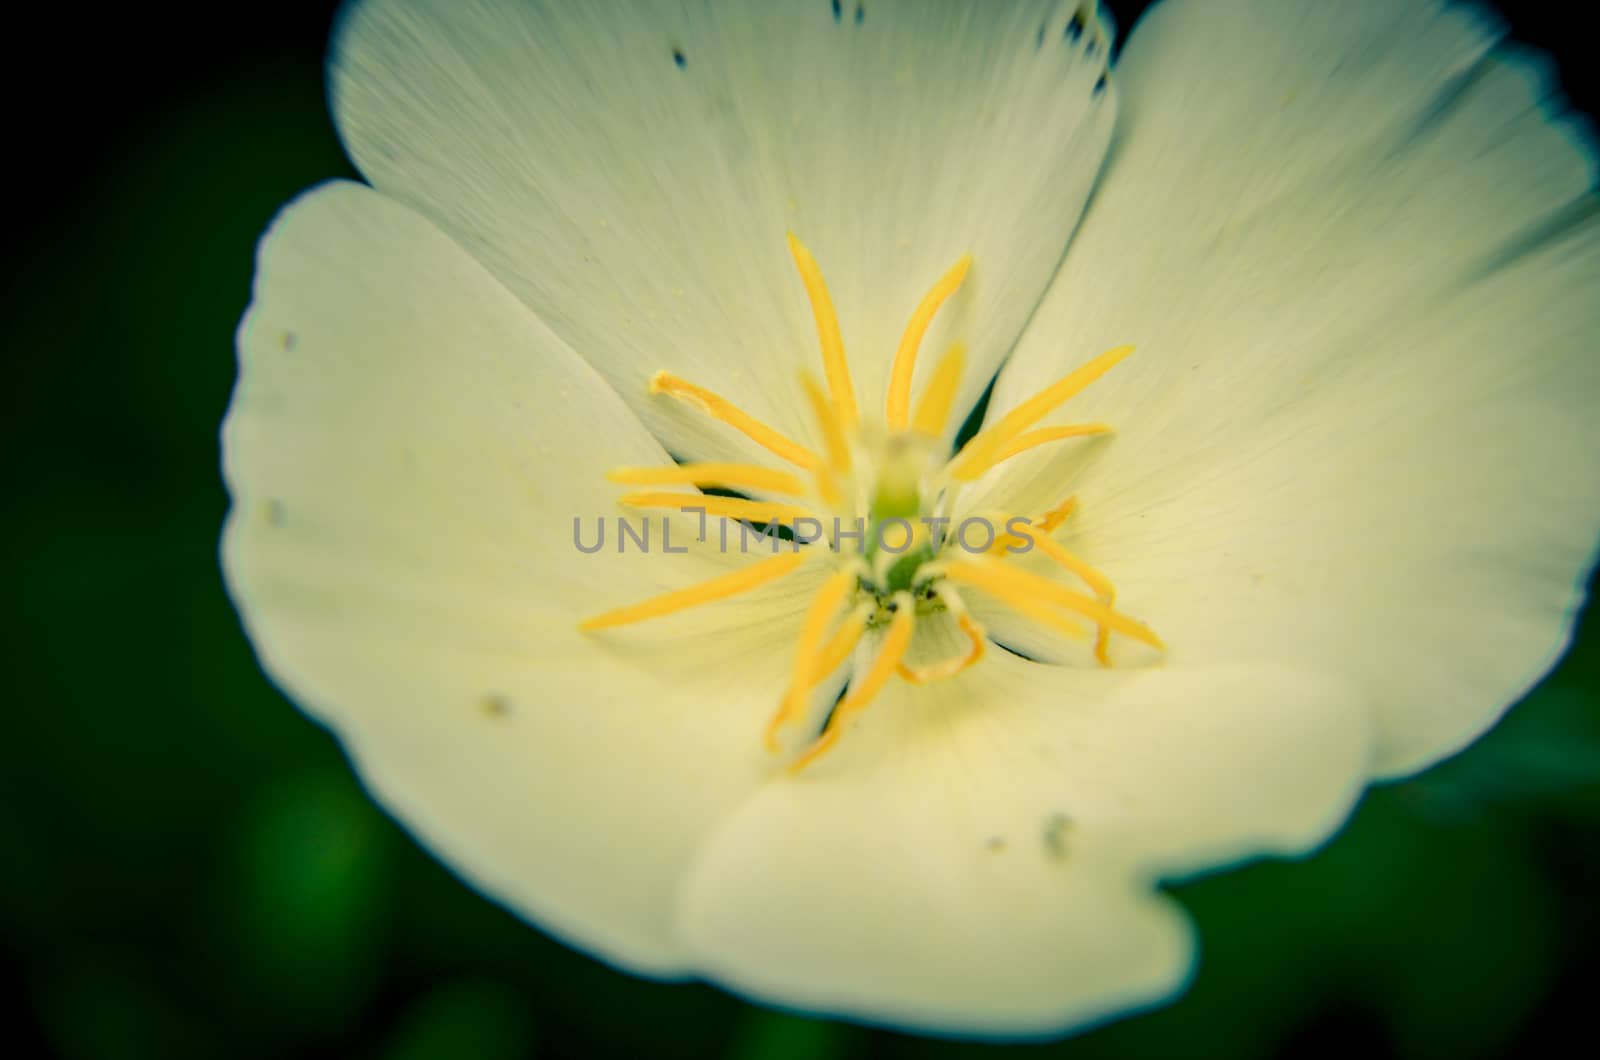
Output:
x=1043 y=403
x=720 y=588
x=979 y=454
x=807 y=656
x=832 y=431
x=729 y=476
x=834 y=365
x=838 y=460
x=1032 y=594
x=844 y=639
x=1099 y=583
x=829 y=488
x=898 y=407
x=986 y=580
x=1044 y=436
x=933 y=408
x=890 y=652
x=950 y=667
x=720 y=408
x=726 y=507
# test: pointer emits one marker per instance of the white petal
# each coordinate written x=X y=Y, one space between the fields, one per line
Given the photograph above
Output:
x=1357 y=435
x=640 y=206
x=407 y=450
x=974 y=856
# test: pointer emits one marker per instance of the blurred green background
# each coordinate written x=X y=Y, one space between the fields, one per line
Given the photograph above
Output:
x=188 y=868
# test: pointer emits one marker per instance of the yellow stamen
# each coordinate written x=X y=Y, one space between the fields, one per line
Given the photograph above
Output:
x=838 y=461
x=839 y=614
x=933 y=408
x=898 y=407
x=948 y=668
x=832 y=431
x=804 y=674
x=829 y=488
x=719 y=588
x=844 y=639
x=986 y=580
x=1004 y=545
x=1094 y=579
x=1031 y=594
x=979 y=454
x=1044 y=436
x=1058 y=515
x=728 y=476
x=726 y=507
x=1099 y=583
x=1046 y=523
x=883 y=667
x=720 y=408
x=834 y=365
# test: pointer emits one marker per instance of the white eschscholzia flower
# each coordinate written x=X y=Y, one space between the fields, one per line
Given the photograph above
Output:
x=1322 y=526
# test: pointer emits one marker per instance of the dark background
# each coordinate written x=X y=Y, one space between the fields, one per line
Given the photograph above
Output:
x=187 y=867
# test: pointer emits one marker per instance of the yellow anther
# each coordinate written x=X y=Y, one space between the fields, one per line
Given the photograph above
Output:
x=986 y=579
x=1052 y=519
x=933 y=408
x=948 y=668
x=725 y=507
x=1044 y=436
x=728 y=476
x=979 y=454
x=720 y=408
x=861 y=695
x=720 y=588
x=834 y=365
x=1034 y=595
x=806 y=671
x=1006 y=544
x=1097 y=582
x=898 y=407
x=844 y=639
x=1046 y=523
x=832 y=429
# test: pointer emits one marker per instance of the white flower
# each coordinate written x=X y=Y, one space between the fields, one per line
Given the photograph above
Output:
x=1350 y=482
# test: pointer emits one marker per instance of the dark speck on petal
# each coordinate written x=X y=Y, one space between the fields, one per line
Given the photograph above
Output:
x=1056 y=828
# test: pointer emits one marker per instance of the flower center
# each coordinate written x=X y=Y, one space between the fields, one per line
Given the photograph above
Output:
x=877 y=506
